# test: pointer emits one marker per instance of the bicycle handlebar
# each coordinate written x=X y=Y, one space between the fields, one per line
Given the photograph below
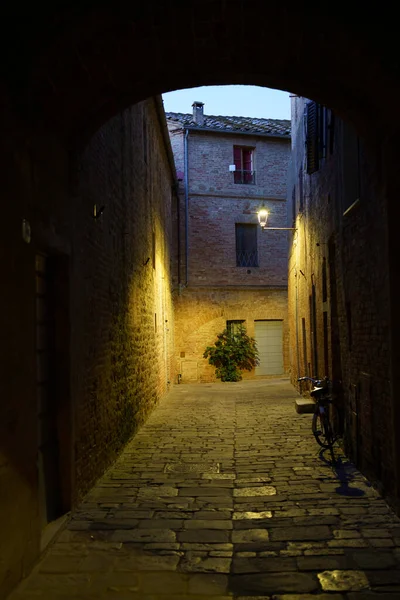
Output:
x=317 y=382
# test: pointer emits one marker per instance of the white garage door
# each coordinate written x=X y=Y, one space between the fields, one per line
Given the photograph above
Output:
x=268 y=336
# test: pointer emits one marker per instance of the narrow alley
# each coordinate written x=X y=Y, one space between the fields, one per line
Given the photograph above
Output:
x=222 y=494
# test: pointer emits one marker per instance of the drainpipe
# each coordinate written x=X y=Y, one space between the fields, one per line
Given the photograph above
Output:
x=186 y=160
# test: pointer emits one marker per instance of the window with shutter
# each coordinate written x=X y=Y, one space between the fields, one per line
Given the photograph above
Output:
x=247 y=165
x=246 y=245
x=322 y=130
x=237 y=157
x=243 y=159
x=312 y=137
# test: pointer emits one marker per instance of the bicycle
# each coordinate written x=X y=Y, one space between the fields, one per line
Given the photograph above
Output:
x=322 y=426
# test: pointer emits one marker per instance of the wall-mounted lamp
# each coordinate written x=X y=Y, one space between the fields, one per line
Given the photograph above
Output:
x=263 y=218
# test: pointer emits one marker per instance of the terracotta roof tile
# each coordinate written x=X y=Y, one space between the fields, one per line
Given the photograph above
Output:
x=246 y=124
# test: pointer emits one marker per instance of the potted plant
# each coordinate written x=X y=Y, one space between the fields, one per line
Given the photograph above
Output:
x=232 y=353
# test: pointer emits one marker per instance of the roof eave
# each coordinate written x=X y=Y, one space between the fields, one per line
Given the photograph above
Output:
x=236 y=132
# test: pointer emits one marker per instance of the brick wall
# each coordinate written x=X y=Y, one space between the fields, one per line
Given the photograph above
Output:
x=114 y=347
x=217 y=289
x=212 y=243
x=353 y=347
x=128 y=314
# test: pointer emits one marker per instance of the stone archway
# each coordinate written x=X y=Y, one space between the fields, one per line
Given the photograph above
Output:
x=66 y=71
x=78 y=67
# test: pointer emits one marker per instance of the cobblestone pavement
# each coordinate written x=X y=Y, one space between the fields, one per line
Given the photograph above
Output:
x=222 y=494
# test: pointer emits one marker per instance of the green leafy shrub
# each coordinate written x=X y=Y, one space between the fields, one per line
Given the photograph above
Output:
x=232 y=353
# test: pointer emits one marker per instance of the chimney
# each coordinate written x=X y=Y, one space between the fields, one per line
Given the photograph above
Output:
x=198 y=113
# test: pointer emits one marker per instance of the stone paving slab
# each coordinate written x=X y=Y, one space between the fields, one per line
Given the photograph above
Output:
x=223 y=494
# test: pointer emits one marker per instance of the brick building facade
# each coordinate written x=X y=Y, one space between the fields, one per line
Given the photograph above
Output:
x=91 y=351
x=229 y=269
x=338 y=282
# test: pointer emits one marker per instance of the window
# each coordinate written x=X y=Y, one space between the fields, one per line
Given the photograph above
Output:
x=246 y=245
x=317 y=123
x=243 y=157
x=233 y=326
x=312 y=154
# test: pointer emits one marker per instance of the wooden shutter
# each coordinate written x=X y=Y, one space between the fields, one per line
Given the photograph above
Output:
x=247 y=165
x=247 y=160
x=237 y=157
x=312 y=145
x=322 y=130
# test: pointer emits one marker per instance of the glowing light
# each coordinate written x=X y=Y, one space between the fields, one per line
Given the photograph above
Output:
x=263 y=217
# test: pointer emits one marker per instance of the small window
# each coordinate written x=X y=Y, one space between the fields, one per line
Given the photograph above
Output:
x=246 y=245
x=312 y=134
x=233 y=326
x=317 y=124
x=243 y=158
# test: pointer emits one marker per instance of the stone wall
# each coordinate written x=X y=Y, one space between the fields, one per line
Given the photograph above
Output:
x=340 y=252
x=113 y=348
x=200 y=314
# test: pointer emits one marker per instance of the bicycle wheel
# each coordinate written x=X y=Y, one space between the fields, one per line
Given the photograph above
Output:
x=322 y=429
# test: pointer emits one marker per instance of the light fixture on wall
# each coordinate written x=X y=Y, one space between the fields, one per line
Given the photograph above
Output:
x=263 y=215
